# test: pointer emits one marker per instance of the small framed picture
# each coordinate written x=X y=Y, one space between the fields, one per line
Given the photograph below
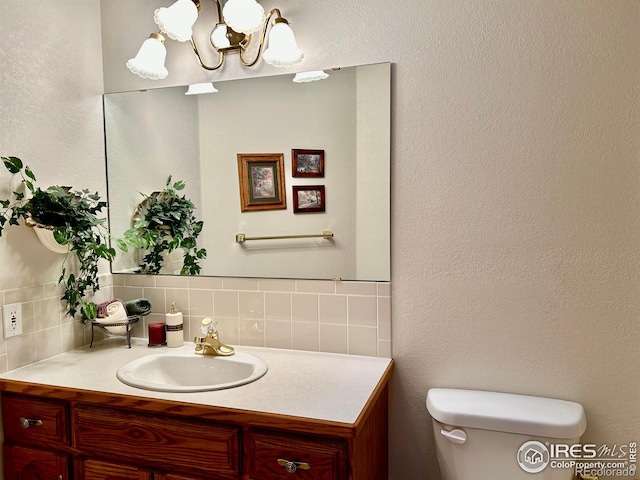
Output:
x=307 y=163
x=308 y=199
x=261 y=179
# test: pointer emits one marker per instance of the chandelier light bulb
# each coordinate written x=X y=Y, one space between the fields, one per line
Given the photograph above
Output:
x=149 y=61
x=177 y=20
x=243 y=16
x=283 y=50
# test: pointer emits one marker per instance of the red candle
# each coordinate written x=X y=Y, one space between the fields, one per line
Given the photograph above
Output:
x=156 y=334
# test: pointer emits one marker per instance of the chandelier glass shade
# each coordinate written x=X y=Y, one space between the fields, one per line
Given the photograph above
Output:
x=149 y=61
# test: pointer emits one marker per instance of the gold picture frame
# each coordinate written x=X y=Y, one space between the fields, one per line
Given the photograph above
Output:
x=261 y=180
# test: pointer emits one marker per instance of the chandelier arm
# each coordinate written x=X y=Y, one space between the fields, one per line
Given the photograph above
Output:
x=273 y=12
x=218 y=10
x=202 y=64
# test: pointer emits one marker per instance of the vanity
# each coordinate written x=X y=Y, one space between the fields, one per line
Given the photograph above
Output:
x=313 y=415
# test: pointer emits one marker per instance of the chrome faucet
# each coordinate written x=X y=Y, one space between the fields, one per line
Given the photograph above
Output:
x=209 y=343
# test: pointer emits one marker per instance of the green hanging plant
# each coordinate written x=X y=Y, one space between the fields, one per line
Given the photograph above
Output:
x=72 y=215
x=165 y=221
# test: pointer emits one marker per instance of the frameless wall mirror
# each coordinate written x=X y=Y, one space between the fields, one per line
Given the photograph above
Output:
x=156 y=133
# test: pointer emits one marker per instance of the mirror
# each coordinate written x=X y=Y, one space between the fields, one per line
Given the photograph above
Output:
x=197 y=138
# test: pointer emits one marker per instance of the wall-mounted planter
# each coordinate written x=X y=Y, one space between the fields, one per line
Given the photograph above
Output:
x=45 y=235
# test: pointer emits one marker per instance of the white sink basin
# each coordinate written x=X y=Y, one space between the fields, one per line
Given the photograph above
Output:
x=191 y=372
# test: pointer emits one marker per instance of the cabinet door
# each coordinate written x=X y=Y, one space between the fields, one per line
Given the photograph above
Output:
x=89 y=469
x=23 y=463
x=274 y=456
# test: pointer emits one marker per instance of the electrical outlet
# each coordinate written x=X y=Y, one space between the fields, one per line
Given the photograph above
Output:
x=12 y=319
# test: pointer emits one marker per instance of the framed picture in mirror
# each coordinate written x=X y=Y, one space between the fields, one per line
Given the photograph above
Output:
x=308 y=199
x=261 y=179
x=307 y=163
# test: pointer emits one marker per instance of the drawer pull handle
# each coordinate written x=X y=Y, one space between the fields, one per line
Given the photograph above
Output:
x=291 y=467
x=27 y=422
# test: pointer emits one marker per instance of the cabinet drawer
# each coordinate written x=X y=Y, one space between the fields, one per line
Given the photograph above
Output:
x=156 y=441
x=325 y=458
x=89 y=469
x=49 y=420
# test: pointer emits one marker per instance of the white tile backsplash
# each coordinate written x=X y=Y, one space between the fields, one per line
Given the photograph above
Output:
x=317 y=315
x=277 y=306
x=304 y=307
x=304 y=336
x=333 y=309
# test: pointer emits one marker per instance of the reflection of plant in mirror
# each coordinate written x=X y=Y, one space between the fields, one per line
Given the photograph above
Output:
x=73 y=217
x=164 y=221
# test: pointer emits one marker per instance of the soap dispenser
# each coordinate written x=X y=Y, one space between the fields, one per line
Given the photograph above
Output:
x=174 y=325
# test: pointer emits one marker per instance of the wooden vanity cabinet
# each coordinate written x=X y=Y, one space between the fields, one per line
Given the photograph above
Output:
x=86 y=435
x=326 y=458
x=158 y=441
x=25 y=463
x=36 y=435
x=90 y=469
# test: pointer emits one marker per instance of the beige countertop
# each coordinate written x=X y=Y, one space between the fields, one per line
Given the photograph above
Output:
x=323 y=386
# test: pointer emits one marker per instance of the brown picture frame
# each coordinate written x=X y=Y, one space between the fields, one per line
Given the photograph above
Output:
x=307 y=163
x=309 y=199
x=261 y=180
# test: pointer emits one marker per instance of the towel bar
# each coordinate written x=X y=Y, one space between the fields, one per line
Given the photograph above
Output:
x=326 y=234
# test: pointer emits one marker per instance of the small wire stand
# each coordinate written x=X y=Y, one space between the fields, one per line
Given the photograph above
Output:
x=121 y=323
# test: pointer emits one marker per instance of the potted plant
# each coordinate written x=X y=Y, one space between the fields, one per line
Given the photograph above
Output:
x=71 y=216
x=163 y=222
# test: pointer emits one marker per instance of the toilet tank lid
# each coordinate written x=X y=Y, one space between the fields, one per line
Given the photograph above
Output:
x=507 y=412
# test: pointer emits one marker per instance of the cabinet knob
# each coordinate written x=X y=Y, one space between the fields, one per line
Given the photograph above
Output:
x=27 y=422
x=291 y=466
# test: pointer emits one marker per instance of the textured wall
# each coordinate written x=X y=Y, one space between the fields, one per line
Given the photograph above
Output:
x=51 y=117
x=516 y=238
x=50 y=113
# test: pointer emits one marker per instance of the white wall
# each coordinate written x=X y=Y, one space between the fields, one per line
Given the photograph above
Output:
x=50 y=114
x=516 y=239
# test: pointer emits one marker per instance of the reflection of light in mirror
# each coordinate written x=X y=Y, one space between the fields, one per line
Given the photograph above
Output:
x=200 y=88
x=312 y=76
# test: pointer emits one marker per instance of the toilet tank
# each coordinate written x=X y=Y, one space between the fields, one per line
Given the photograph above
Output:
x=501 y=436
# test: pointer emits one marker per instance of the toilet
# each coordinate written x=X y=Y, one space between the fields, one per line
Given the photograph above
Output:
x=501 y=436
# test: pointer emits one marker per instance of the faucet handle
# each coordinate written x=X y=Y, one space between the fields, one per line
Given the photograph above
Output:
x=208 y=326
